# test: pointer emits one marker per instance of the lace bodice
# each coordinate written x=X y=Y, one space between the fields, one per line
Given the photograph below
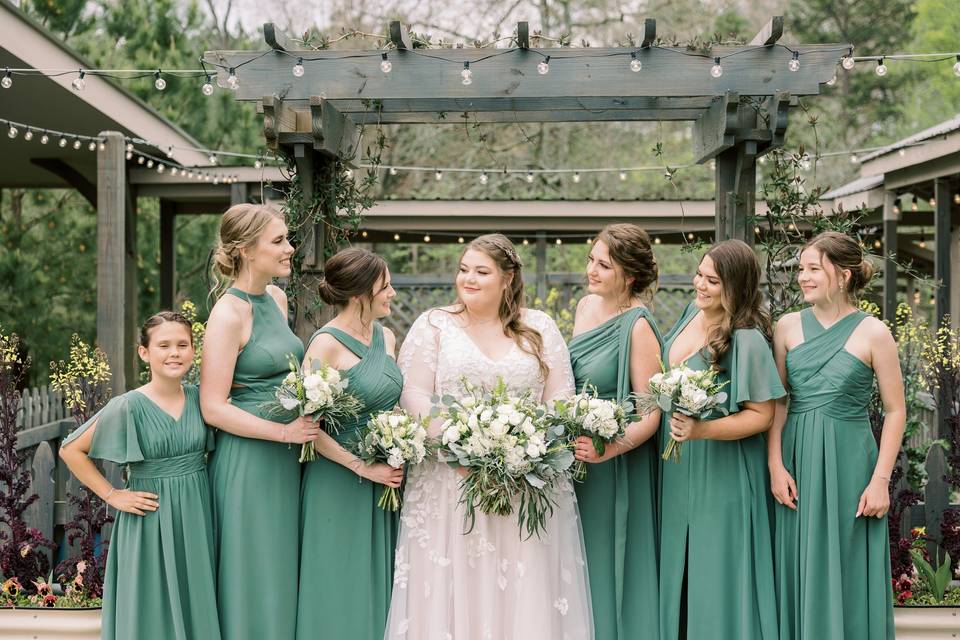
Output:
x=437 y=354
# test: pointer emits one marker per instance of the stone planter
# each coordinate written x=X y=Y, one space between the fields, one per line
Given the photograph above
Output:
x=926 y=623
x=49 y=624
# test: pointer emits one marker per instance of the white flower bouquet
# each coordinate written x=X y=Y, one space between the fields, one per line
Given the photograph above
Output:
x=513 y=453
x=684 y=390
x=395 y=438
x=584 y=414
x=318 y=392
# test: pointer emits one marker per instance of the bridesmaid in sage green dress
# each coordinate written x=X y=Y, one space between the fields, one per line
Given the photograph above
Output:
x=346 y=559
x=616 y=348
x=160 y=580
x=829 y=479
x=254 y=470
x=716 y=540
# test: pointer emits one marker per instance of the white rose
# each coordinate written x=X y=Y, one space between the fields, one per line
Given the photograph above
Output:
x=533 y=450
x=485 y=415
x=395 y=458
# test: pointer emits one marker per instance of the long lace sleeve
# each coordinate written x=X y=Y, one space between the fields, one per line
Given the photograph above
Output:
x=418 y=363
x=559 y=381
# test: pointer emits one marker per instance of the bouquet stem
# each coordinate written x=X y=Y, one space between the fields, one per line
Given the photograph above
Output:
x=307 y=452
x=672 y=451
x=579 y=471
x=389 y=499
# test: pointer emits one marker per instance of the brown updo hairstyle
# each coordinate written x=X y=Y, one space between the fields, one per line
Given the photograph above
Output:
x=350 y=273
x=240 y=228
x=843 y=252
x=499 y=249
x=158 y=319
x=737 y=267
x=630 y=249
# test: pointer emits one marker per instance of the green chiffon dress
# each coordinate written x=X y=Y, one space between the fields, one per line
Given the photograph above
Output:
x=346 y=562
x=256 y=492
x=618 y=499
x=716 y=538
x=833 y=569
x=160 y=580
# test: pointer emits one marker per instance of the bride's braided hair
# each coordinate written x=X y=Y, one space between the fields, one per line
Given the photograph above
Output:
x=499 y=248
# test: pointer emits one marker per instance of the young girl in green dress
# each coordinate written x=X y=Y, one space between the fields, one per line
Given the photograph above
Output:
x=616 y=348
x=160 y=572
x=255 y=469
x=346 y=559
x=716 y=543
x=826 y=473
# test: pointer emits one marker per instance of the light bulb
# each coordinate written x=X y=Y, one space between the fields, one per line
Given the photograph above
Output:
x=716 y=70
x=559 y=241
x=396 y=236
x=257 y=164
x=92 y=146
x=690 y=236
x=12 y=133
x=923 y=243
x=207 y=87
x=189 y=175
x=28 y=135
x=129 y=155
x=589 y=240
x=44 y=139
x=160 y=168
x=79 y=83
x=159 y=82
x=656 y=240
x=393 y=171
x=438 y=175
x=212 y=158
x=794 y=64
x=102 y=145
x=484 y=178
x=173 y=171
x=848 y=62
x=149 y=164
x=298 y=68
x=426 y=238
x=544 y=67
x=7 y=81
x=896 y=206
x=576 y=177
x=635 y=64
x=933 y=202
x=956 y=67
x=956 y=198
x=913 y=204
x=460 y=240
x=529 y=176
x=232 y=80
x=881 y=68
x=385 y=65
x=877 y=244
x=77 y=144
x=854 y=159
x=623 y=175
x=466 y=74
x=364 y=233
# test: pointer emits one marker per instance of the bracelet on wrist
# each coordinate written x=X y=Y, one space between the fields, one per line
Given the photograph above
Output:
x=109 y=493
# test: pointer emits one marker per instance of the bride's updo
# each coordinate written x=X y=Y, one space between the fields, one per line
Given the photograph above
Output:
x=240 y=228
x=499 y=249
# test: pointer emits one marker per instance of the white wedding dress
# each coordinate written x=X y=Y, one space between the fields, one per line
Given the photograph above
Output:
x=489 y=584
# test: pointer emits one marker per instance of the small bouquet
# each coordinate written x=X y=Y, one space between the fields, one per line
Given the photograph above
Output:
x=513 y=453
x=318 y=392
x=396 y=438
x=584 y=414
x=681 y=389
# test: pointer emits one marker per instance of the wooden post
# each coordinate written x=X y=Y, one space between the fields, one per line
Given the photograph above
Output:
x=239 y=193
x=890 y=252
x=941 y=258
x=116 y=264
x=168 y=253
x=541 y=259
x=955 y=277
x=936 y=496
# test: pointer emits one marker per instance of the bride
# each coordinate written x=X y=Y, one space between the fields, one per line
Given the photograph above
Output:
x=490 y=583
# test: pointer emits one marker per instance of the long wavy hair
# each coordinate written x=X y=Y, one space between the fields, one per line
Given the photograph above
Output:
x=499 y=249
x=737 y=267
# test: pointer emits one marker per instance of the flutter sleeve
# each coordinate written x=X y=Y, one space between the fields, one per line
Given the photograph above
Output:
x=418 y=364
x=559 y=382
x=752 y=370
x=115 y=438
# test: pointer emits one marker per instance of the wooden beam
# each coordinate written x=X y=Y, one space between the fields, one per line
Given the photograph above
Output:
x=334 y=134
x=890 y=245
x=71 y=176
x=114 y=273
x=769 y=34
x=355 y=106
x=776 y=114
x=715 y=131
x=523 y=35
x=168 y=253
x=577 y=73
x=399 y=36
x=277 y=118
x=541 y=265
x=941 y=190
x=565 y=115
x=649 y=33
x=303 y=157
x=277 y=40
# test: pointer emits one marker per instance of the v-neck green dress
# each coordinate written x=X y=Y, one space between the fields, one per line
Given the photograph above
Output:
x=716 y=517
x=618 y=498
x=346 y=561
x=256 y=492
x=160 y=580
x=833 y=569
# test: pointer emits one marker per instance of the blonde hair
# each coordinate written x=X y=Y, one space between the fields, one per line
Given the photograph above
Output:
x=498 y=248
x=240 y=228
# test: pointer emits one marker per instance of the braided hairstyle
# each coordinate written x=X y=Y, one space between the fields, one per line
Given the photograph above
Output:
x=240 y=228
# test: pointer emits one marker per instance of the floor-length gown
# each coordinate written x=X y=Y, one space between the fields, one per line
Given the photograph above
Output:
x=256 y=492
x=618 y=498
x=833 y=569
x=716 y=516
x=160 y=580
x=346 y=560
x=491 y=583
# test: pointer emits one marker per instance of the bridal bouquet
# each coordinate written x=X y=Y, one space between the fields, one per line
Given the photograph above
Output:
x=396 y=438
x=512 y=452
x=318 y=392
x=584 y=414
x=681 y=389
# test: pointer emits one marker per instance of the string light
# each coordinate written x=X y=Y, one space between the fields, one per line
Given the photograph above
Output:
x=881 y=67
x=913 y=204
x=923 y=241
x=28 y=135
x=956 y=198
x=529 y=176
x=635 y=64
x=161 y=167
x=232 y=80
x=794 y=64
x=848 y=61
x=559 y=241
x=159 y=82
x=576 y=177
x=141 y=159
x=150 y=164
x=298 y=68
x=12 y=133
x=426 y=238
x=385 y=65
x=526 y=242
x=363 y=233
x=438 y=175
x=76 y=144
x=716 y=70
x=896 y=206
x=396 y=237
x=129 y=155
x=466 y=74
x=79 y=83
x=933 y=202
x=212 y=158
x=460 y=240
x=7 y=80
x=484 y=178
x=44 y=139
x=854 y=159
x=690 y=236
x=656 y=240
x=956 y=67
x=877 y=244
x=544 y=67
x=92 y=146
x=207 y=87
x=623 y=176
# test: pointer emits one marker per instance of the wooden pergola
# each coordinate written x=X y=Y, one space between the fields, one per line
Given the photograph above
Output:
x=313 y=116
